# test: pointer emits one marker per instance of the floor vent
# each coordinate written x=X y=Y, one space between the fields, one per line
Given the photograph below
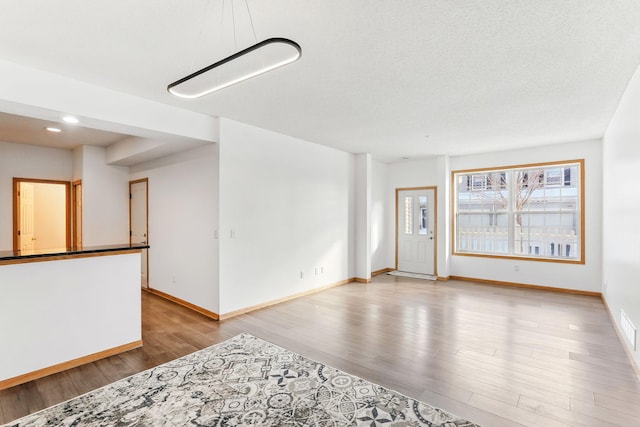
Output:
x=628 y=329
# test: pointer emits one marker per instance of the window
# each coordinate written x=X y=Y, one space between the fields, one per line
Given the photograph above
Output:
x=479 y=182
x=533 y=211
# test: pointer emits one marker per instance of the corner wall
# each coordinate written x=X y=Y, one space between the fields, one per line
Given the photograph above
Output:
x=362 y=211
x=379 y=216
x=105 y=199
x=621 y=210
x=410 y=174
x=285 y=216
x=183 y=225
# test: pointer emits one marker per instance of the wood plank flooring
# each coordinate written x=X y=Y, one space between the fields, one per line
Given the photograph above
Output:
x=498 y=356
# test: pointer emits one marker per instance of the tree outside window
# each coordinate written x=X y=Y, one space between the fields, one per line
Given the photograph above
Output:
x=528 y=211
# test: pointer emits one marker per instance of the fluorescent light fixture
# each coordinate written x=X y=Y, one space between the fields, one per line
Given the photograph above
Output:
x=52 y=129
x=70 y=119
x=253 y=61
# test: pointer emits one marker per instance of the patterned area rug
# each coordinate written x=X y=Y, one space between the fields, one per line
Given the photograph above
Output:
x=242 y=381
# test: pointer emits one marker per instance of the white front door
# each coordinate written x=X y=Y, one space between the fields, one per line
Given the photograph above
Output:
x=138 y=223
x=416 y=230
x=27 y=217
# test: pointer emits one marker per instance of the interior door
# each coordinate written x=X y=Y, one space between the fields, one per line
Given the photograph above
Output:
x=416 y=235
x=138 y=218
x=27 y=217
x=41 y=210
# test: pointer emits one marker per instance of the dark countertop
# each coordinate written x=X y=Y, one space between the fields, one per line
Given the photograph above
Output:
x=43 y=253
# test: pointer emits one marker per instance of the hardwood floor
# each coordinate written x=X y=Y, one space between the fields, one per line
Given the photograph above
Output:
x=495 y=355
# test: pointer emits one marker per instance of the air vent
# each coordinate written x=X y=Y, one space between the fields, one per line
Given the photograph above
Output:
x=628 y=329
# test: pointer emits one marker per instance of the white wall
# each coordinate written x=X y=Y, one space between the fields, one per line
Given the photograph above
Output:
x=183 y=223
x=362 y=212
x=285 y=209
x=50 y=216
x=407 y=174
x=379 y=216
x=63 y=310
x=105 y=199
x=78 y=167
x=621 y=209
x=444 y=216
x=585 y=277
x=26 y=161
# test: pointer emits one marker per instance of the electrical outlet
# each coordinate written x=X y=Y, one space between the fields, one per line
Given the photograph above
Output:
x=516 y=267
x=302 y=274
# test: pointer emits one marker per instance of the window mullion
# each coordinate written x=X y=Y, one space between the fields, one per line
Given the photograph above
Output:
x=510 y=211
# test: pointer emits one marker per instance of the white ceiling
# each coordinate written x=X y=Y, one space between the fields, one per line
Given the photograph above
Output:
x=375 y=76
x=28 y=130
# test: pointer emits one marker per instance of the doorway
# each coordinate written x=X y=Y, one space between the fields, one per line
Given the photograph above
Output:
x=139 y=223
x=77 y=213
x=416 y=226
x=41 y=214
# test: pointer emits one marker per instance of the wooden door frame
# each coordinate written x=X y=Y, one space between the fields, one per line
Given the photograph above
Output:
x=74 y=200
x=435 y=223
x=137 y=181
x=16 y=207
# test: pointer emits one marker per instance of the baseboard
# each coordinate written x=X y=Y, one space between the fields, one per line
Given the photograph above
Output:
x=381 y=271
x=528 y=286
x=198 y=309
x=284 y=299
x=360 y=280
x=443 y=278
x=622 y=339
x=41 y=373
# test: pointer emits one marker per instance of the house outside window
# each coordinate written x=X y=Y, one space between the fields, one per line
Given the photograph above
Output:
x=527 y=211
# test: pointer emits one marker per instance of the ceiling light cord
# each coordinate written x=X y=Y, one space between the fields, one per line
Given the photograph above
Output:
x=222 y=23
x=195 y=47
x=253 y=30
x=233 y=19
x=255 y=39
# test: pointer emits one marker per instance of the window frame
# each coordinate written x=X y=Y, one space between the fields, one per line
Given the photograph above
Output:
x=500 y=169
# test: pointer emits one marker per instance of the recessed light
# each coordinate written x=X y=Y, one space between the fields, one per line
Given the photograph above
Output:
x=70 y=119
x=405 y=158
x=52 y=129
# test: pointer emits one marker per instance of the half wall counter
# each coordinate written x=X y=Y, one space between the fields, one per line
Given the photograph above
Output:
x=62 y=308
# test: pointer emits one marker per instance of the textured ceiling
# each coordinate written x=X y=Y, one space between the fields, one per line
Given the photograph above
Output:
x=375 y=76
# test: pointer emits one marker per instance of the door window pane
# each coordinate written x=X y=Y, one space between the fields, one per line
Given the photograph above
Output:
x=408 y=215
x=424 y=216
